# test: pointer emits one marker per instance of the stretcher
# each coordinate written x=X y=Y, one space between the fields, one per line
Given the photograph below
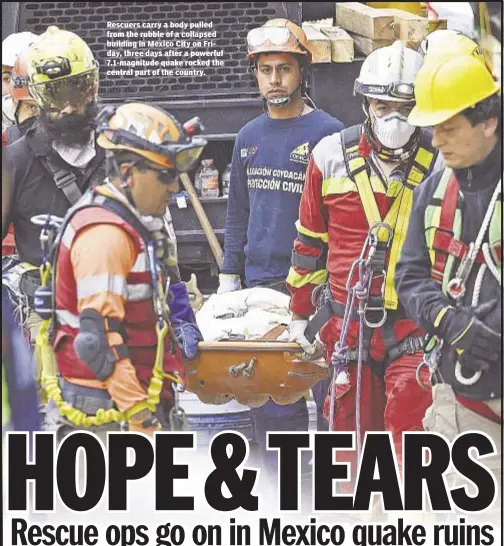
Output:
x=252 y=372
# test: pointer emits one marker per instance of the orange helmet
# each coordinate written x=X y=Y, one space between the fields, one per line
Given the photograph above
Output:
x=278 y=36
x=151 y=133
x=19 y=77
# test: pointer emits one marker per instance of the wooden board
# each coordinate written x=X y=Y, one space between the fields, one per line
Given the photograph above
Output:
x=319 y=45
x=437 y=24
x=342 y=45
x=252 y=372
x=367 y=45
x=365 y=21
x=407 y=26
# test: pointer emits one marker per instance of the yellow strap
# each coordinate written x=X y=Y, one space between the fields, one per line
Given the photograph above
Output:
x=397 y=217
x=365 y=190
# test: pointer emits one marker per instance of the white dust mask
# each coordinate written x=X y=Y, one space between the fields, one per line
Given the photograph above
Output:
x=9 y=107
x=392 y=130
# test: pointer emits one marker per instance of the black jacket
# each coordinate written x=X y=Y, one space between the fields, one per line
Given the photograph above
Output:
x=15 y=132
x=31 y=190
x=422 y=297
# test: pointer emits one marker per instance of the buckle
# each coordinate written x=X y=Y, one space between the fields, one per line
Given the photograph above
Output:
x=412 y=344
x=64 y=179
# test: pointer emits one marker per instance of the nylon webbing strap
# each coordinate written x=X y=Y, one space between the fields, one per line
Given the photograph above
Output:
x=446 y=222
x=310 y=263
x=65 y=181
x=398 y=215
x=323 y=315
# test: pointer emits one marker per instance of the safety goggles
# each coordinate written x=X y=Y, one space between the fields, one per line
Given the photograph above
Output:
x=276 y=36
x=75 y=90
x=397 y=90
x=182 y=156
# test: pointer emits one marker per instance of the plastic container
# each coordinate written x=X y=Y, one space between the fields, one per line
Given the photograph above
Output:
x=226 y=176
x=209 y=419
x=197 y=180
x=209 y=179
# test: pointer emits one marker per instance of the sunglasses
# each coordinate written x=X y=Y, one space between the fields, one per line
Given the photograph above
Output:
x=165 y=176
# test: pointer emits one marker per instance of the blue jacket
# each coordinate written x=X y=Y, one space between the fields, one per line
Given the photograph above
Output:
x=268 y=169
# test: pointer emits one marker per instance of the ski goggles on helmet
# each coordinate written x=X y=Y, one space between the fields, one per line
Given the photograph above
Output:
x=396 y=90
x=76 y=90
x=257 y=38
x=181 y=155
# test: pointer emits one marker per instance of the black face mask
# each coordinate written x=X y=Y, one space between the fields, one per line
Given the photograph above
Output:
x=71 y=129
x=26 y=124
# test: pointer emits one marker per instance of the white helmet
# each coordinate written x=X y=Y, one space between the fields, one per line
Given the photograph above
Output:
x=14 y=44
x=435 y=38
x=389 y=73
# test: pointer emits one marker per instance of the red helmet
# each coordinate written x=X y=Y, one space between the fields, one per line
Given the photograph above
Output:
x=19 y=78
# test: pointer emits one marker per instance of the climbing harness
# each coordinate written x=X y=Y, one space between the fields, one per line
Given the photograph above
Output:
x=450 y=222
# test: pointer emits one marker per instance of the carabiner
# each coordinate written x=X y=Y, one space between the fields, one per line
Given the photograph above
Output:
x=419 y=376
x=456 y=287
x=379 y=323
x=374 y=230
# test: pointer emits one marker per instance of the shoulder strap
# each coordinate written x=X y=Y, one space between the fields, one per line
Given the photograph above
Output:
x=422 y=163
x=357 y=169
x=115 y=206
x=65 y=180
x=93 y=199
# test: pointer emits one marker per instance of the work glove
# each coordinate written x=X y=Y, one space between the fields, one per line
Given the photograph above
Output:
x=477 y=345
x=183 y=321
x=228 y=283
x=145 y=422
x=295 y=333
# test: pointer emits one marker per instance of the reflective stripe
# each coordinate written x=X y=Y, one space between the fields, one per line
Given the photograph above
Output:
x=98 y=284
x=398 y=215
x=67 y=319
x=68 y=236
x=424 y=157
x=140 y=265
x=305 y=231
x=138 y=292
x=335 y=186
x=297 y=280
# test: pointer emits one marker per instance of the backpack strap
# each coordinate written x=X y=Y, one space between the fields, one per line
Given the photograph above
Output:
x=65 y=180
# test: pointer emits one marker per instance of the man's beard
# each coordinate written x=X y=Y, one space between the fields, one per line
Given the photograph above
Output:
x=71 y=129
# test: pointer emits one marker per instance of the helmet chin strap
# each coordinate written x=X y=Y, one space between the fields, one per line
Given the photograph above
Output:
x=282 y=102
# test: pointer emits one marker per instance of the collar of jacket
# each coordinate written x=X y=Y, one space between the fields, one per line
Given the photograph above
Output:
x=484 y=174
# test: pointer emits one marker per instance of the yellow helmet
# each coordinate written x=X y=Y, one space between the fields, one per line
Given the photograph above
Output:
x=447 y=86
x=151 y=133
x=448 y=43
x=278 y=36
x=62 y=70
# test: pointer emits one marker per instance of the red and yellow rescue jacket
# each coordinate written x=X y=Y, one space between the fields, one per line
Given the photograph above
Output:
x=343 y=195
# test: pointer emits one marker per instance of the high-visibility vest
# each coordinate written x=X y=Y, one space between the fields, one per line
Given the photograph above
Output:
x=139 y=323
